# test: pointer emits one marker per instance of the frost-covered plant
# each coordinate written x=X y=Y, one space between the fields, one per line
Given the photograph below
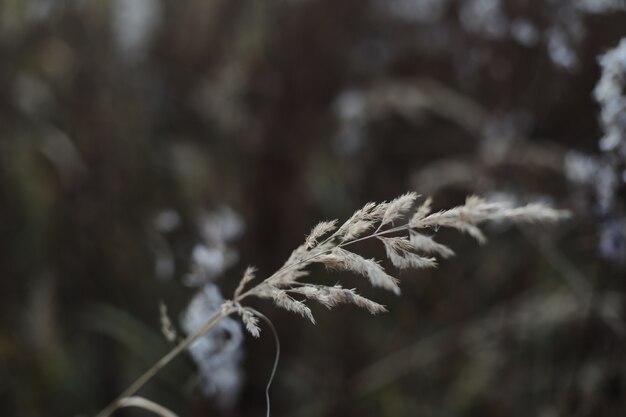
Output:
x=405 y=230
x=606 y=173
x=217 y=355
x=610 y=93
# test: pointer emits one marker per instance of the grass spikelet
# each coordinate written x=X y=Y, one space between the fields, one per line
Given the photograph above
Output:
x=250 y=321
x=366 y=213
x=370 y=268
x=422 y=211
x=357 y=229
x=427 y=244
x=398 y=207
x=399 y=253
x=333 y=296
x=247 y=277
x=284 y=300
x=321 y=229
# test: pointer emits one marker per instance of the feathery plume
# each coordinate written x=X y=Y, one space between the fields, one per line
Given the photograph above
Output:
x=396 y=208
x=250 y=321
x=321 y=229
x=399 y=253
x=284 y=300
x=357 y=229
x=349 y=261
x=403 y=251
x=422 y=211
x=247 y=277
x=428 y=245
x=332 y=296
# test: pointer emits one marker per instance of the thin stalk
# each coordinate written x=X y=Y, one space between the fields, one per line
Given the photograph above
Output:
x=276 y=358
x=161 y=363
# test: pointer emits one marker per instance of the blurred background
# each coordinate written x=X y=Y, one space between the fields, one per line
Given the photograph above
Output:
x=151 y=149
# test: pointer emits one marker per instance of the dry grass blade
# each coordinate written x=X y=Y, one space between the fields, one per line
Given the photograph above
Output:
x=398 y=207
x=357 y=229
x=476 y=210
x=146 y=404
x=250 y=321
x=320 y=230
x=399 y=251
x=284 y=300
x=422 y=211
x=349 y=261
x=368 y=212
x=333 y=296
x=428 y=245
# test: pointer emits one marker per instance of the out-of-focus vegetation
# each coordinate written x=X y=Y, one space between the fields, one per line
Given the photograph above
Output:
x=131 y=130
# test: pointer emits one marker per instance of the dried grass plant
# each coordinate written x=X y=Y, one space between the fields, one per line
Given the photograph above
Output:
x=405 y=230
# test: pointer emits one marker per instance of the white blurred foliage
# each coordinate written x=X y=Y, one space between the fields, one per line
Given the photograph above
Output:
x=485 y=18
x=220 y=226
x=210 y=261
x=210 y=257
x=214 y=255
x=525 y=32
x=560 y=49
x=592 y=171
x=559 y=24
x=167 y=221
x=134 y=22
x=218 y=354
x=600 y=6
x=612 y=244
x=580 y=168
x=610 y=94
x=605 y=173
x=350 y=109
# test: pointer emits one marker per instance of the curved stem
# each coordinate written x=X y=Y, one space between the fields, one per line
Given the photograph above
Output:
x=146 y=404
x=276 y=358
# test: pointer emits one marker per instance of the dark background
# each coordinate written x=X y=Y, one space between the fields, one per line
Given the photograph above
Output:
x=290 y=112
